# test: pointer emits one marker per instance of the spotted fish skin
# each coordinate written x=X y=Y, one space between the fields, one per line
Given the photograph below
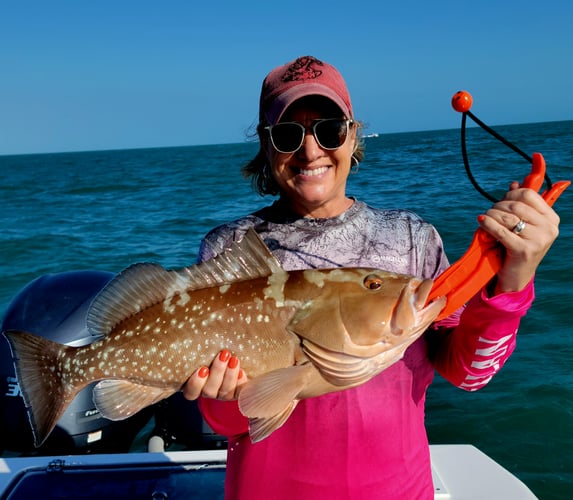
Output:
x=298 y=334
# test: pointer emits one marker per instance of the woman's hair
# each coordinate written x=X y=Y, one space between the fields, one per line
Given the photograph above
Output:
x=259 y=171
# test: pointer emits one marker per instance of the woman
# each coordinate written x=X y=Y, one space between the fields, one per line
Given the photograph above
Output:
x=369 y=441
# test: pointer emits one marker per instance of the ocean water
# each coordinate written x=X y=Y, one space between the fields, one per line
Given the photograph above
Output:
x=108 y=209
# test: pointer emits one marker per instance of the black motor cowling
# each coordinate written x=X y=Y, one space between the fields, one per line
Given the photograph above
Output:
x=54 y=306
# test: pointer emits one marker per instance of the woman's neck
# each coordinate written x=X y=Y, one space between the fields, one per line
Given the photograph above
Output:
x=319 y=211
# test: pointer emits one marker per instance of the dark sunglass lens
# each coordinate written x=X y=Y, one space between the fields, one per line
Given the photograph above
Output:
x=331 y=134
x=287 y=137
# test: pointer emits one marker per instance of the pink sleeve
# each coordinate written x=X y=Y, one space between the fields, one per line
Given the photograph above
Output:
x=471 y=352
x=224 y=417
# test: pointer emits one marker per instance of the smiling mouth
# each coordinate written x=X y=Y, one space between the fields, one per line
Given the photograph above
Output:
x=312 y=172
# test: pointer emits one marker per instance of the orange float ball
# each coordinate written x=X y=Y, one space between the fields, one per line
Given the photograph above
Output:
x=462 y=101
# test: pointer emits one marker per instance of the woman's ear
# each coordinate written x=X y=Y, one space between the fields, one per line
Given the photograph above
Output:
x=354 y=137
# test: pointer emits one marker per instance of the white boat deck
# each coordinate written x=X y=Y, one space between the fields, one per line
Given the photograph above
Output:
x=459 y=471
x=464 y=472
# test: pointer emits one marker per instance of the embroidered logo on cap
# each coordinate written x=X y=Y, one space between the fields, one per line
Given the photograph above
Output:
x=304 y=68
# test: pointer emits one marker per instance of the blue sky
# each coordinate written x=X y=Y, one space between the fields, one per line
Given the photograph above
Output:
x=86 y=75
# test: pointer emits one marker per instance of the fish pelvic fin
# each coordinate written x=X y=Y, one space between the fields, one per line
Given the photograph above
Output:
x=269 y=400
x=120 y=399
x=143 y=285
x=45 y=393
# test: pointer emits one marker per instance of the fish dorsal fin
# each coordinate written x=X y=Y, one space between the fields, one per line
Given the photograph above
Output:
x=143 y=285
x=246 y=259
x=131 y=291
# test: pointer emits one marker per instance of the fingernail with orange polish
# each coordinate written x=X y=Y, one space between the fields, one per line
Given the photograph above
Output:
x=233 y=362
x=203 y=372
x=225 y=355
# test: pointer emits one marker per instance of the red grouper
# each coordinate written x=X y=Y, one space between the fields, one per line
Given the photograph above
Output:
x=298 y=334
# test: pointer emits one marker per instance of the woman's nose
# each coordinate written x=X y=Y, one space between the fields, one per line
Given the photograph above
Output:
x=310 y=149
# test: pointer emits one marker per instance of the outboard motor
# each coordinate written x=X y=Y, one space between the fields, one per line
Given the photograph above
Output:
x=55 y=306
x=179 y=422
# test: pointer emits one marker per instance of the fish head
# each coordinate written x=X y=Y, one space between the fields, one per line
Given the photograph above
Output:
x=362 y=314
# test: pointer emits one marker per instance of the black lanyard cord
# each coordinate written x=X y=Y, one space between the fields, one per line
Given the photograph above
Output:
x=498 y=137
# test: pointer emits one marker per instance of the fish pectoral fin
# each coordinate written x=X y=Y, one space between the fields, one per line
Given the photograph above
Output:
x=269 y=394
x=269 y=399
x=260 y=428
x=119 y=399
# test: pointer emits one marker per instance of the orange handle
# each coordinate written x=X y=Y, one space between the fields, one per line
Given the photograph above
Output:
x=483 y=259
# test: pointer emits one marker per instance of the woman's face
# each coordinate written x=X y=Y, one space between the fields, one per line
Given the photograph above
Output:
x=312 y=180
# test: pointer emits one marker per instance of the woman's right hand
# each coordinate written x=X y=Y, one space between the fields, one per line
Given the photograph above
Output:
x=219 y=381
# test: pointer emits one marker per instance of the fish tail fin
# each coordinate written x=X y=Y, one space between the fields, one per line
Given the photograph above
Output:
x=45 y=393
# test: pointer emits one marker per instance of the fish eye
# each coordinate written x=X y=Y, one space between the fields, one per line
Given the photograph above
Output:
x=373 y=282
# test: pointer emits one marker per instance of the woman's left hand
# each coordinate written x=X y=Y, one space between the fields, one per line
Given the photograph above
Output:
x=526 y=248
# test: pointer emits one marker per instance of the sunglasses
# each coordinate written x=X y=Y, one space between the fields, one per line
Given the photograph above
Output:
x=330 y=133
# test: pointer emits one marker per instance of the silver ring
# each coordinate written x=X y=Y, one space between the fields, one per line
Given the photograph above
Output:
x=520 y=226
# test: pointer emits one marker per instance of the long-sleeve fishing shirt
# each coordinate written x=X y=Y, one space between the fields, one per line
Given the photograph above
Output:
x=369 y=441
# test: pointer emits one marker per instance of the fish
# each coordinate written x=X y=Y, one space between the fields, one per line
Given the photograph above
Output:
x=298 y=334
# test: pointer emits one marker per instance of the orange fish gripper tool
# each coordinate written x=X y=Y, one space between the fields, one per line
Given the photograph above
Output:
x=483 y=259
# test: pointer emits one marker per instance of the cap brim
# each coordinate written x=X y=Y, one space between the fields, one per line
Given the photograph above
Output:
x=282 y=102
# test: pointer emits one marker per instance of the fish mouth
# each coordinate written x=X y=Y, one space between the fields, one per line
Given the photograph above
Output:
x=410 y=314
x=425 y=315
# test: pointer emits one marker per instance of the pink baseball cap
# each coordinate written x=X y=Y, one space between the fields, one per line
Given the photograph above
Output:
x=303 y=77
